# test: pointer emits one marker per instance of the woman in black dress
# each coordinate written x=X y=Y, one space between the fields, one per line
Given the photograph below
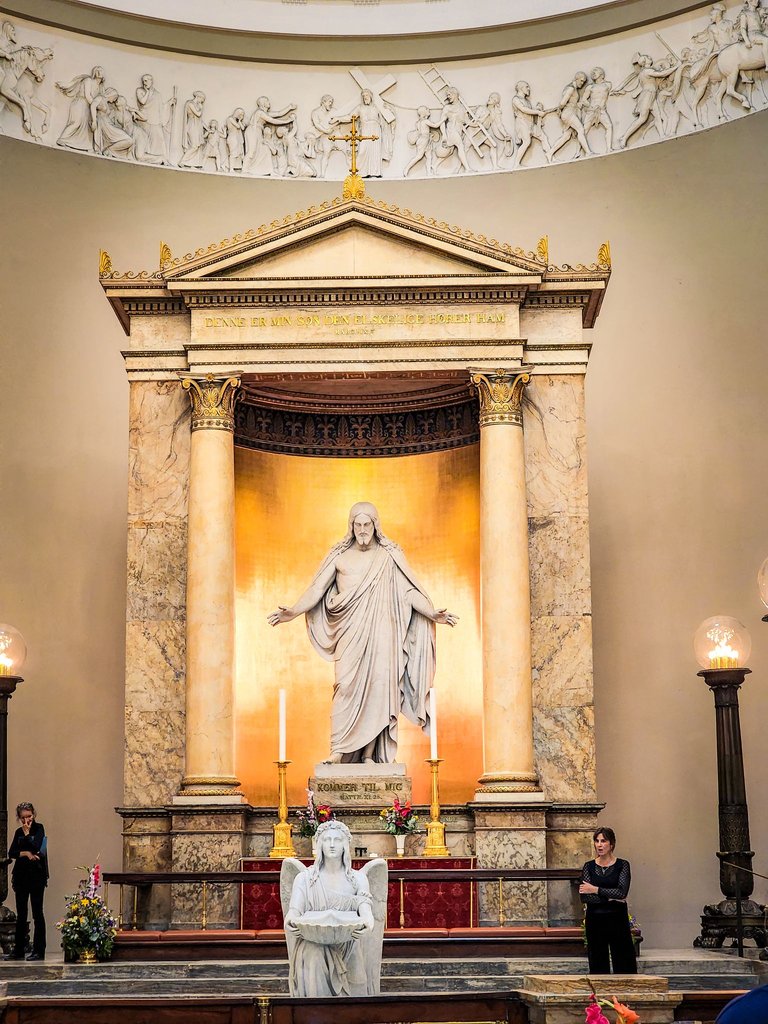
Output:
x=29 y=879
x=603 y=890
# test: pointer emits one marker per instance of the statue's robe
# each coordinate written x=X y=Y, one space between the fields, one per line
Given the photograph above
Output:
x=384 y=653
x=316 y=970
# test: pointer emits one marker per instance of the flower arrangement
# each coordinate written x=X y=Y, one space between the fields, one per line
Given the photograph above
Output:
x=594 y=1011
x=88 y=927
x=313 y=816
x=399 y=819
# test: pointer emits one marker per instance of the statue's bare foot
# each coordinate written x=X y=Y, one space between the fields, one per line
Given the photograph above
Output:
x=334 y=759
x=368 y=760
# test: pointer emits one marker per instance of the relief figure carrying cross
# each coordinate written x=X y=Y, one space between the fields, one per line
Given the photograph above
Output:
x=372 y=144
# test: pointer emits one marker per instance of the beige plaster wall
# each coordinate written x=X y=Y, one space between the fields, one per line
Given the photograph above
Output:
x=677 y=466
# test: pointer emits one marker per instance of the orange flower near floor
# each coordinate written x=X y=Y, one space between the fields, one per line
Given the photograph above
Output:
x=623 y=1013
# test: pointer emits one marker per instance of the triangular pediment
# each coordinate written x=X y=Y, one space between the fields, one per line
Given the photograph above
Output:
x=353 y=239
x=355 y=251
x=361 y=244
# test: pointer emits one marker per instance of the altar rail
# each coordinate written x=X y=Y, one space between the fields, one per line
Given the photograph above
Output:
x=144 y=880
x=460 y=1008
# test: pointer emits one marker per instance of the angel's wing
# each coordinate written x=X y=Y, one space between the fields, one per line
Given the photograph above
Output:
x=289 y=872
x=377 y=874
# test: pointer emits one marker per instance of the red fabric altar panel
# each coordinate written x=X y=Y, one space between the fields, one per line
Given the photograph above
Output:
x=260 y=902
x=427 y=904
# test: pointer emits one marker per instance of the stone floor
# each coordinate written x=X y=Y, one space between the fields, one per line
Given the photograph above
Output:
x=687 y=970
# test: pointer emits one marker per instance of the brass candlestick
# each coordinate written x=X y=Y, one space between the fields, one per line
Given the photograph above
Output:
x=281 y=831
x=435 y=846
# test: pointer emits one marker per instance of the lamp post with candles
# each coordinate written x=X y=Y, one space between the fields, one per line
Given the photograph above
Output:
x=722 y=646
x=13 y=652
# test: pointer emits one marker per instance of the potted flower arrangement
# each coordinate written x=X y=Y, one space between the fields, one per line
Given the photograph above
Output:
x=88 y=929
x=312 y=817
x=399 y=821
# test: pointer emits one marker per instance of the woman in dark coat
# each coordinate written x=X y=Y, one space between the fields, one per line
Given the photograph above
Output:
x=29 y=879
x=603 y=890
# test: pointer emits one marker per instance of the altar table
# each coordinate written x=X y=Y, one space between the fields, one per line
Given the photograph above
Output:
x=428 y=904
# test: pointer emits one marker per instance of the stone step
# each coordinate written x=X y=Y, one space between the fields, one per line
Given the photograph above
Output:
x=258 y=969
x=414 y=983
x=482 y=966
x=670 y=965
x=686 y=970
x=152 y=987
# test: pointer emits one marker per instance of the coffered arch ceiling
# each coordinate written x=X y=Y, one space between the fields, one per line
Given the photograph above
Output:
x=347 y=31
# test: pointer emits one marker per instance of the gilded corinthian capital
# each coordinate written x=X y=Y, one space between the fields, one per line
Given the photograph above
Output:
x=501 y=394
x=213 y=401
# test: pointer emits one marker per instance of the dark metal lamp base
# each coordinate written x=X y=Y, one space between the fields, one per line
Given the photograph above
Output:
x=719 y=922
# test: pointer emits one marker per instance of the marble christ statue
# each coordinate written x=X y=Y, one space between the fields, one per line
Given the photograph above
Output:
x=367 y=613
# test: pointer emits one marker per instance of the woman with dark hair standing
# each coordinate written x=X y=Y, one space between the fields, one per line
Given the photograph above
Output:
x=29 y=879
x=603 y=890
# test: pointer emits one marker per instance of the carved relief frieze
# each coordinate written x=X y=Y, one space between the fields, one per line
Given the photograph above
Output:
x=482 y=116
x=361 y=434
x=358 y=297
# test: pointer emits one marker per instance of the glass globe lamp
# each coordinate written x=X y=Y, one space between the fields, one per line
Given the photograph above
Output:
x=13 y=650
x=762 y=582
x=722 y=642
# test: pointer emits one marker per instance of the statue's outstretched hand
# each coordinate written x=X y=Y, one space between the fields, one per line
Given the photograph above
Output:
x=443 y=615
x=289 y=922
x=281 y=615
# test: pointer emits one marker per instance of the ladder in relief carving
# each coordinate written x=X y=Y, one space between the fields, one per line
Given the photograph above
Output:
x=474 y=133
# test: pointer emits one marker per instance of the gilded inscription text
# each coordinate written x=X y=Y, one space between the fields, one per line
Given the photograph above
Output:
x=352 y=320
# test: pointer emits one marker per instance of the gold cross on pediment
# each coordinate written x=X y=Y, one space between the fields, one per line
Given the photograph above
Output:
x=353 y=137
x=353 y=185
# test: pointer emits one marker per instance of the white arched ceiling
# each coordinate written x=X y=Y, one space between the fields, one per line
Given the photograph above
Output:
x=349 y=17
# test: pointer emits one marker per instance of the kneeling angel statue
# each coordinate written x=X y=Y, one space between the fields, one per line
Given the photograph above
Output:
x=334 y=919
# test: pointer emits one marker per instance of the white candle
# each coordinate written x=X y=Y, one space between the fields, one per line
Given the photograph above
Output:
x=433 y=723
x=281 y=745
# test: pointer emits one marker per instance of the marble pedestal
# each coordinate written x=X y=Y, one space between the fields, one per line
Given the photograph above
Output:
x=206 y=838
x=558 y=999
x=147 y=846
x=358 y=793
x=525 y=836
x=360 y=785
x=511 y=836
x=569 y=844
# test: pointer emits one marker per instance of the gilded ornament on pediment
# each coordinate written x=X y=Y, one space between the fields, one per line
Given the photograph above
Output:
x=542 y=249
x=501 y=394
x=213 y=400
x=105 y=263
x=354 y=187
x=604 y=255
x=166 y=256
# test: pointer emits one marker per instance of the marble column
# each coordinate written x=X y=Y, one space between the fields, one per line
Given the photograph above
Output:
x=509 y=773
x=561 y=620
x=209 y=775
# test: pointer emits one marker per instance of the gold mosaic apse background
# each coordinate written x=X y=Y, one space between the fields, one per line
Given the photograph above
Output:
x=289 y=511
